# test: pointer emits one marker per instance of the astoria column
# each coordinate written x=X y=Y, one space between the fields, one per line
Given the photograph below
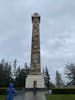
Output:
x=35 y=67
x=35 y=78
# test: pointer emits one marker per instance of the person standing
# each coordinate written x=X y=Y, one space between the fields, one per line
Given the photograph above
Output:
x=11 y=91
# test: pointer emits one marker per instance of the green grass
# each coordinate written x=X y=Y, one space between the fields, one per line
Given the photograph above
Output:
x=2 y=97
x=60 y=97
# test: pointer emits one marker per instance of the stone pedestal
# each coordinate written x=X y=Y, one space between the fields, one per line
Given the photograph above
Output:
x=35 y=81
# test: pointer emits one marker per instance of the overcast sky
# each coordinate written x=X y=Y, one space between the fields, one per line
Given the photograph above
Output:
x=57 y=31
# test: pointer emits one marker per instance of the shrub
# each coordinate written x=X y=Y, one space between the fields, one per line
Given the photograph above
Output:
x=63 y=91
x=2 y=91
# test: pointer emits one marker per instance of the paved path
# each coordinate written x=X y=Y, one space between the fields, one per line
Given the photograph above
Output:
x=31 y=96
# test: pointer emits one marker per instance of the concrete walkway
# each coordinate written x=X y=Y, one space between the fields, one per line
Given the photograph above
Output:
x=31 y=96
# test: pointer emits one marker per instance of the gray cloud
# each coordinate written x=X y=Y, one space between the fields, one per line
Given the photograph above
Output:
x=57 y=31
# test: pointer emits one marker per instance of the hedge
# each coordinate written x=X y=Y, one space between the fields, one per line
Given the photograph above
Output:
x=2 y=91
x=63 y=91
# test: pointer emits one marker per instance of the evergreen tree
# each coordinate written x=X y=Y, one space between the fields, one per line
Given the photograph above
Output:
x=70 y=73
x=20 y=79
x=3 y=61
x=5 y=74
x=47 y=78
x=59 y=82
x=18 y=71
x=26 y=69
x=14 y=66
x=43 y=72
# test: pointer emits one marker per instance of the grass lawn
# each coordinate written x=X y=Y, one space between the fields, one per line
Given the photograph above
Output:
x=60 y=97
x=2 y=97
